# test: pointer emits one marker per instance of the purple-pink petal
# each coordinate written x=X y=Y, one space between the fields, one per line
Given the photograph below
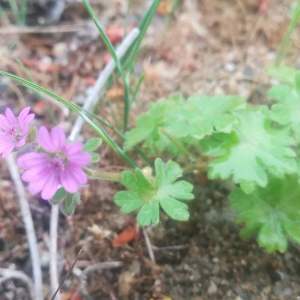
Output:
x=37 y=186
x=4 y=124
x=68 y=182
x=50 y=187
x=10 y=116
x=73 y=148
x=45 y=140
x=8 y=150
x=80 y=158
x=21 y=142
x=23 y=114
x=30 y=160
x=77 y=173
x=58 y=137
x=34 y=173
x=28 y=119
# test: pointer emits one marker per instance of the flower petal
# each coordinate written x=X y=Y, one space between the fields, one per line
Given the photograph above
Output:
x=32 y=159
x=58 y=137
x=23 y=114
x=80 y=158
x=34 y=173
x=4 y=123
x=50 y=187
x=77 y=173
x=45 y=140
x=37 y=186
x=8 y=150
x=21 y=142
x=68 y=182
x=27 y=120
x=73 y=148
x=10 y=116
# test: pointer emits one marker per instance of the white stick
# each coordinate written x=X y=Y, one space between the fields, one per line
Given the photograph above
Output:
x=27 y=219
x=93 y=97
x=103 y=77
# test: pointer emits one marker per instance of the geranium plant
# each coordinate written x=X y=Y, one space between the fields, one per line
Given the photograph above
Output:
x=222 y=135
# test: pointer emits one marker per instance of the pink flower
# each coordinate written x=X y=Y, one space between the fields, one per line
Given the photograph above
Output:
x=14 y=130
x=61 y=164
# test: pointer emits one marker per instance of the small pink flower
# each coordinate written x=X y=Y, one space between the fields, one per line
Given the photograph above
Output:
x=14 y=130
x=61 y=164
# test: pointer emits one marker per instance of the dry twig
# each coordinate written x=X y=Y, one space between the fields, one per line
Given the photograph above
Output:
x=96 y=267
x=149 y=246
x=30 y=233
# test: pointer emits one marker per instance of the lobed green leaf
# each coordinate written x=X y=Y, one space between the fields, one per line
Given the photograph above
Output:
x=271 y=212
x=250 y=152
x=148 y=193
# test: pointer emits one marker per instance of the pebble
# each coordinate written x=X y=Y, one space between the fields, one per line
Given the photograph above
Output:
x=230 y=67
x=212 y=289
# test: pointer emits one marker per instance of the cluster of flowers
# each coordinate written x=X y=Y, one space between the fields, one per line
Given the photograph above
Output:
x=54 y=162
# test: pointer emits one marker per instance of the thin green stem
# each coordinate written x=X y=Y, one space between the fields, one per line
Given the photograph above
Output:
x=127 y=18
x=121 y=135
x=176 y=142
x=23 y=11
x=112 y=51
x=171 y=13
x=135 y=92
x=15 y=10
x=143 y=27
x=96 y=174
x=287 y=37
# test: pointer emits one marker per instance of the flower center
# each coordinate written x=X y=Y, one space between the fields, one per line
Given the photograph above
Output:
x=58 y=163
x=14 y=132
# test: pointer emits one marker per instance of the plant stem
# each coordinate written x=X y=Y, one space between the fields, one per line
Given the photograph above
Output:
x=96 y=174
x=176 y=142
x=121 y=135
x=112 y=52
x=287 y=37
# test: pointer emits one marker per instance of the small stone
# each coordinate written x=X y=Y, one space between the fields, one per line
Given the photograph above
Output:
x=287 y=291
x=230 y=67
x=212 y=289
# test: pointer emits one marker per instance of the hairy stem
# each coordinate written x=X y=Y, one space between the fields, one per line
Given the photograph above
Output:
x=96 y=174
x=176 y=143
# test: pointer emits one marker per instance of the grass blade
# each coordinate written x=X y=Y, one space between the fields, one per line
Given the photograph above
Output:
x=112 y=52
x=141 y=80
x=287 y=37
x=146 y=21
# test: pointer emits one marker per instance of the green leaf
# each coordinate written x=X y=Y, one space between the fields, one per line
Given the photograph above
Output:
x=149 y=213
x=271 y=212
x=250 y=152
x=148 y=124
x=61 y=193
x=283 y=73
x=67 y=205
x=280 y=92
x=95 y=157
x=202 y=115
x=77 y=198
x=148 y=193
x=287 y=111
x=92 y=145
x=128 y=201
